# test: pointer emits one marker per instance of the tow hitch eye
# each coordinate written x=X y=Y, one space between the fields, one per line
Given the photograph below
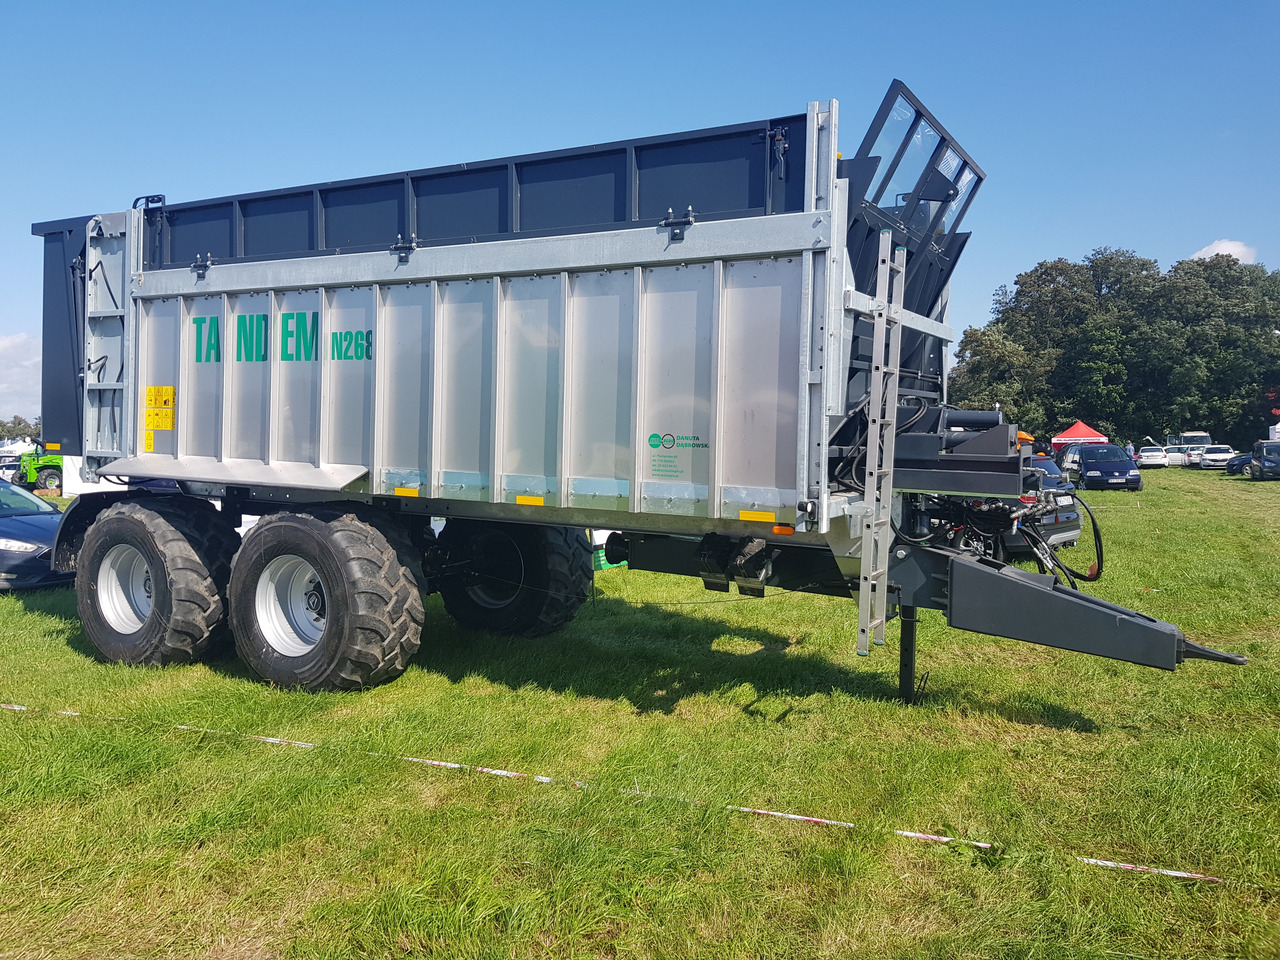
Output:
x=1193 y=651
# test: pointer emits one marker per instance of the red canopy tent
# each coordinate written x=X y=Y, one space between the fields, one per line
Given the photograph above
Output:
x=1078 y=432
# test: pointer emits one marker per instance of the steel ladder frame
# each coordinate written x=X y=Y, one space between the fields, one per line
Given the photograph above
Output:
x=882 y=416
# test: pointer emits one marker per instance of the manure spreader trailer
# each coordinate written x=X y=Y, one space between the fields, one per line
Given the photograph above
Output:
x=726 y=345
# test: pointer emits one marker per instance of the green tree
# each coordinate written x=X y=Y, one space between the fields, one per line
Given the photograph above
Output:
x=1131 y=350
x=19 y=428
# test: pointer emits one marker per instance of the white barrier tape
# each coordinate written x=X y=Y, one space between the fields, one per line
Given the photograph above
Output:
x=514 y=775
x=1113 y=865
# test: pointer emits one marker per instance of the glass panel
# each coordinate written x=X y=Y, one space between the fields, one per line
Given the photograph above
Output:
x=949 y=164
x=965 y=184
x=898 y=193
x=890 y=138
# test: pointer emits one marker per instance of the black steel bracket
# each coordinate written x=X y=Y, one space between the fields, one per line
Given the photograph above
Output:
x=676 y=226
x=402 y=249
x=202 y=265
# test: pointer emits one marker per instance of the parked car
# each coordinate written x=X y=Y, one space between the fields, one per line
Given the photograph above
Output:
x=1194 y=452
x=27 y=528
x=1215 y=456
x=1177 y=455
x=1069 y=456
x=8 y=467
x=1152 y=457
x=1265 y=462
x=1239 y=464
x=1105 y=467
x=1060 y=528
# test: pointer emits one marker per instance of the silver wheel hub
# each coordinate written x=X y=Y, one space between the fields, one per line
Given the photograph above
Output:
x=124 y=589
x=290 y=606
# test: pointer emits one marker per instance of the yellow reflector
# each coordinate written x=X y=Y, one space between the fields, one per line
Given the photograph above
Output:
x=406 y=491
x=782 y=530
x=758 y=516
x=53 y=446
x=530 y=501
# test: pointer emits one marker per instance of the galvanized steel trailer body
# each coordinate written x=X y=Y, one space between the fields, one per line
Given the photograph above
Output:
x=745 y=390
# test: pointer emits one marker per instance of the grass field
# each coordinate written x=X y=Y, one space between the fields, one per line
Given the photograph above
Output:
x=122 y=836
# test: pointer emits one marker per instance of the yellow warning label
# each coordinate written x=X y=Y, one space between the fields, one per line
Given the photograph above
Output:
x=148 y=441
x=531 y=501
x=53 y=446
x=758 y=516
x=159 y=418
x=406 y=491
x=160 y=396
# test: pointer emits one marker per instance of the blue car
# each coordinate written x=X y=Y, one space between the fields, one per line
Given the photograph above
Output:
x=1265 y=462
x=27 y=528
x=1106 y=467
x=1239 y=465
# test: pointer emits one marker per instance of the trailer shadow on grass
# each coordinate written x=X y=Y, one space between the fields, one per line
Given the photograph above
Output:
x=655 y=657
x=652 y=658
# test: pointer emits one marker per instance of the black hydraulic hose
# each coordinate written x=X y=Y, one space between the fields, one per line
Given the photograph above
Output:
x=1096 y=572
x=1048 y=558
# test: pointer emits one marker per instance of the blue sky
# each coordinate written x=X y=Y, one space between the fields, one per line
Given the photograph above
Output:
x=1149 y=126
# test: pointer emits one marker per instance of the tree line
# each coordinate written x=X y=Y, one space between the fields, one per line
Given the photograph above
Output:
x=1129 y=349
x=19 y=428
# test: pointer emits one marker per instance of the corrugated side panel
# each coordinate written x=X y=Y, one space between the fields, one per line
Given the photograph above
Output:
x=669 y=390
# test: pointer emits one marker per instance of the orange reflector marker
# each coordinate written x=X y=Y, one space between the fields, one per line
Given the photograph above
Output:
x=53 y=446
x=782 y=530
x=530 y=501
x=406 y=491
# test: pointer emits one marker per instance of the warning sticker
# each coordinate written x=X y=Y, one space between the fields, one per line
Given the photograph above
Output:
x=159 y=418
x=160 y=408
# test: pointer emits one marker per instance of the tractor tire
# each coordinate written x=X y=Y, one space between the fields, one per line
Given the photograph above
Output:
x=325 y=601
x=516 y=580
x=49 y=478
x=151 y=581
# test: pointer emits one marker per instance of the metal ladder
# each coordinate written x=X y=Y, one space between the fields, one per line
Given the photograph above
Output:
x=882 y=416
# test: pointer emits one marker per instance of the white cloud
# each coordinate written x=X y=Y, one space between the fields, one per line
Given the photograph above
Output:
x=19 y=376
x=1243 y=253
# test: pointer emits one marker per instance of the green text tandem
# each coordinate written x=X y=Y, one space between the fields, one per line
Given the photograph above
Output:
x=299 y=339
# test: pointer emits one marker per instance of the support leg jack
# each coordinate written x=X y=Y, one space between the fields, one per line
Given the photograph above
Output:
x=908 y=692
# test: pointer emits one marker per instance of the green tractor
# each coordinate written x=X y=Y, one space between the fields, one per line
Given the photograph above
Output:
x=40 y=469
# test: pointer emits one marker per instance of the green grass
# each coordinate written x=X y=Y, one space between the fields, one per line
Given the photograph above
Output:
x=128 y=838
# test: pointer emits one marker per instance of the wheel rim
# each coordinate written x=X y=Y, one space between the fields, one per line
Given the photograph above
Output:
x=124 y=589
x=497 y=570
x=290 y=604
